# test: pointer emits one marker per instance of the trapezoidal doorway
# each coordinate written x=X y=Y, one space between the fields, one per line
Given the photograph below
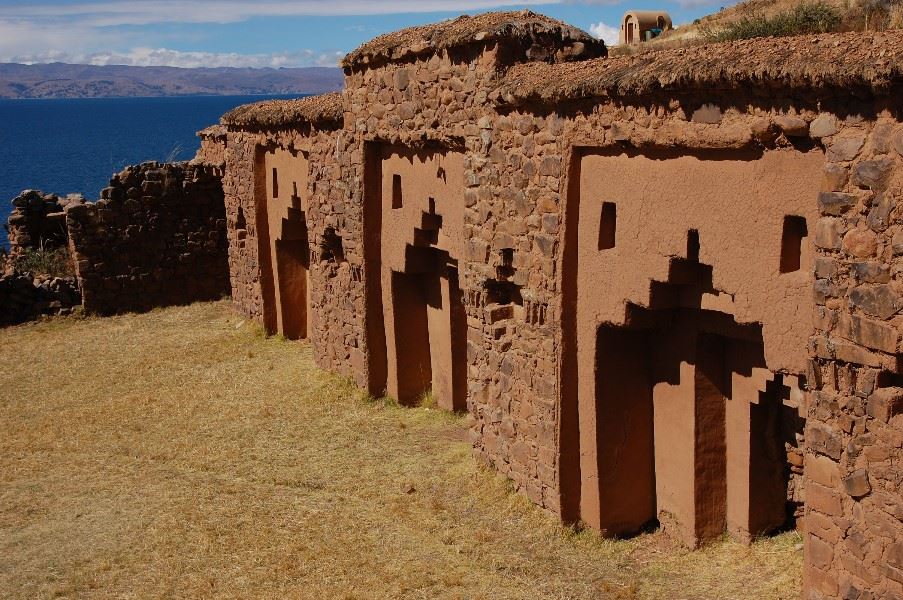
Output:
x=281 y=191
x=680 y=404
x=414 y=218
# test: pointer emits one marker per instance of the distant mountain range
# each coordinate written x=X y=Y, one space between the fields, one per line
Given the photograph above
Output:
x=59 y=80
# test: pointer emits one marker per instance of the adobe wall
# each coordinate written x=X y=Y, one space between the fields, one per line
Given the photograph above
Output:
x=845 y=170
x=737 y=328
x=155 y=238
x=440 y=105
x=335 y=289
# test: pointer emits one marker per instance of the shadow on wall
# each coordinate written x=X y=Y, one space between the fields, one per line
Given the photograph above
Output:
x=686 y=409
x=282 y=202
x=413 y=230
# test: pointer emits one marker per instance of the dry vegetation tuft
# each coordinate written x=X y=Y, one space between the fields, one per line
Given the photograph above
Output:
x=180 y=453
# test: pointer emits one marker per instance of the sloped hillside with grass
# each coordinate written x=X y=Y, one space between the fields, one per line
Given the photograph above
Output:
x=180 y=453
x=777 y=18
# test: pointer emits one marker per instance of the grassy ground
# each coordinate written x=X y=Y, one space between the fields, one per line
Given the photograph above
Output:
x=181 y=454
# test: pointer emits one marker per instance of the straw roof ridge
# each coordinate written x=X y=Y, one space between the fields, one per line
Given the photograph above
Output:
x=325 y=109
x=873 y=60
x=462 y=31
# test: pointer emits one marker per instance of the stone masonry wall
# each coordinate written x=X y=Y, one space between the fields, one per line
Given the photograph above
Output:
x=337 y=301
x=517 y=172
x=853 y=443
x=37 y=221
x=845 y=466
x=213 y=147
x=239 y=196
x=854 y=451
x=442 y=102
x=157 y=237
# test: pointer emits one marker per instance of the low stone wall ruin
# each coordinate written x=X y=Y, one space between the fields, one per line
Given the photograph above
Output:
x=26 y=297
x=38 y=221
x=157 y=237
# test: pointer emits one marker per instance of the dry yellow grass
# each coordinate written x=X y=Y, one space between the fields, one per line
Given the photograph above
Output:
x=181 y=454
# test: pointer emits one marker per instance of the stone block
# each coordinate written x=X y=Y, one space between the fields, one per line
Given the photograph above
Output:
x=828 y=233
x=870 y=272
x=825 y=267
x=822 y=470
x=877 y=300
x=835 y=203
x=823 y=500
x=857 y=483
x=823 y=125
x=401 y=79
x=824 y=439
x=820 y=553
x=846 y=147
x=879 y=215
x=873 y=174
x=861 y=243
x=869 y=333
x=834 y=178
x=792 y=126
x=885 y=403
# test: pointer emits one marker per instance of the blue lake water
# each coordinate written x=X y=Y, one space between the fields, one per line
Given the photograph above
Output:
x=67 y=146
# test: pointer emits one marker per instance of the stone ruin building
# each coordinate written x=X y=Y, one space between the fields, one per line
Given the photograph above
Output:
x=156 y=237
x=664 y=286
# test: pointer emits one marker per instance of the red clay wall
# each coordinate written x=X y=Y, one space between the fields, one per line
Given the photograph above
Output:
x=522 y=291
x=335 y=272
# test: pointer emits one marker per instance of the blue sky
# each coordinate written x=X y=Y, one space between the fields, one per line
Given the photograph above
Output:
x=276 y=33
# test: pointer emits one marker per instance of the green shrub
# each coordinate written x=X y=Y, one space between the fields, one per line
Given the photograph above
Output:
x=42 y=261
x=802 y=19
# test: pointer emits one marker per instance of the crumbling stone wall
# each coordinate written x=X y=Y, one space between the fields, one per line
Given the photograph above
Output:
x=156 y=237
x=25 y=297
x=38 y=237
x=38 y=221
x=213 y=147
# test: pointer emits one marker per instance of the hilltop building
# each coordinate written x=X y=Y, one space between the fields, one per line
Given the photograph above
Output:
x=643 y=25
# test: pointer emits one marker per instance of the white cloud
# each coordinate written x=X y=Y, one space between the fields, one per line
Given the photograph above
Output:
x=117 y=12
x=605 y=32
x=28 y=43
x=164 y=57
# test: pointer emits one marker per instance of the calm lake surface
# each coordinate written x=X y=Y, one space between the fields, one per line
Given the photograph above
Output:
x=66 y=146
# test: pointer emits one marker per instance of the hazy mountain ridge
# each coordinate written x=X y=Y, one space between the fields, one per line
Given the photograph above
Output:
x=61 y=80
